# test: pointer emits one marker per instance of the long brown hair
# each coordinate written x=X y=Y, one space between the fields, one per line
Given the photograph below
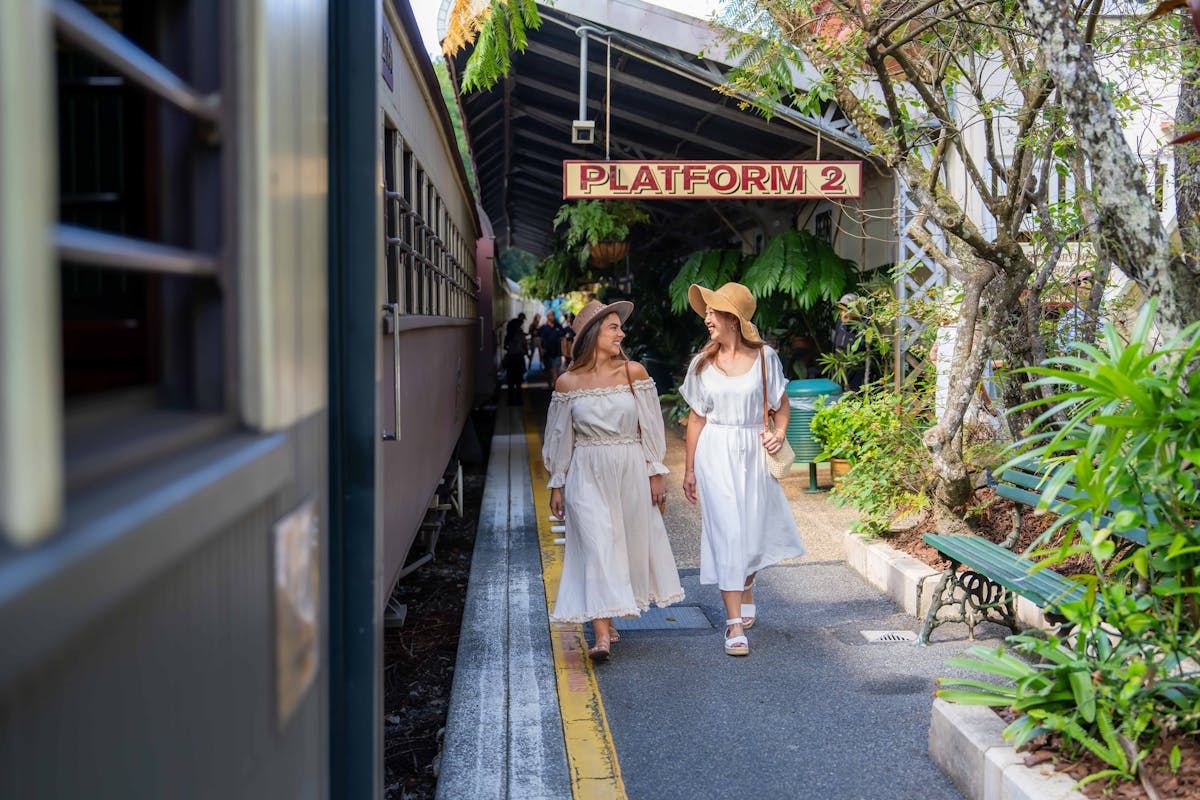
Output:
x=711 y=348
x=583 y=349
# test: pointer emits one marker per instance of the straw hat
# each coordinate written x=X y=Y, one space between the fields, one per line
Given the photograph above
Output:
x=595 y=311
x=732 y=298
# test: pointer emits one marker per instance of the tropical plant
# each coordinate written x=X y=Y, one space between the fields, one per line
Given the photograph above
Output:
x=794 y=264
x=879 y=432
x=496 y=28
x=1130 y=444
x=592 y=221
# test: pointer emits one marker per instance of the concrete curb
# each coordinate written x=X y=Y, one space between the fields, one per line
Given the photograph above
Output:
x=908 y=581
x=965 y=742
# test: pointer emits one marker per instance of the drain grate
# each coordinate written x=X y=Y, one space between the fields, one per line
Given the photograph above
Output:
x=664 y=619
x=889 y=636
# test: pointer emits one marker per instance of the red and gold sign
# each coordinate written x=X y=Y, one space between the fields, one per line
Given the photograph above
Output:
x=646 y=180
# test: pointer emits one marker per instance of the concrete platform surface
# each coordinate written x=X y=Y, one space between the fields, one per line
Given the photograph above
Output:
x=814 y=712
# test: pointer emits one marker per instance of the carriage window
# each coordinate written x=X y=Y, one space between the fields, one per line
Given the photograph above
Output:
x=140 y=237
x=424 y=248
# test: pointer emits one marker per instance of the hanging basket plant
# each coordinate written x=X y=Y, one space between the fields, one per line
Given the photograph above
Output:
x=599 y=228
x=603 y=254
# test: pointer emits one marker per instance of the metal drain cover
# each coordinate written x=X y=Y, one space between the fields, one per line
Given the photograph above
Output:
x=889 y=636
x=662 y=619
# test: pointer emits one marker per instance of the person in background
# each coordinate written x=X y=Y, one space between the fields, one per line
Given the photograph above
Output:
x=549 y=348
x=568 y=340
x=848 y=338
x=515 y=349
x=604 y=447
x=532 y=340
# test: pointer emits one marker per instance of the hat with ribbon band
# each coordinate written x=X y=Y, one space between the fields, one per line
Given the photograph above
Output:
x=595 y=311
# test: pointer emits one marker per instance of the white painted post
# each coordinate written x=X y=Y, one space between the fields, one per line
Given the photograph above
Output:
x=31 y=471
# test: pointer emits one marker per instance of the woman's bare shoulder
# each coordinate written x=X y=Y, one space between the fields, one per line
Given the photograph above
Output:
x=638 y=372
x=567 y=382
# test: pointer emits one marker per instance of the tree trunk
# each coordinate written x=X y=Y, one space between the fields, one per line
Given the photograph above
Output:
x=1187 y=156
x=1130 y=228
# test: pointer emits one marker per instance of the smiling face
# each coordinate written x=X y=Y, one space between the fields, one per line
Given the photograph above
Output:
x=722 y=326
x=610 y=336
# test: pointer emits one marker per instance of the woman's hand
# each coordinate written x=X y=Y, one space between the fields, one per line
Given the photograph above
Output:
x=556 y=503
x=772 y=441
x=658 y=490
x=689 y=487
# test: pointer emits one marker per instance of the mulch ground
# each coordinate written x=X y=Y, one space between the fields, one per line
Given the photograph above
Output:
x=419 y=656
x=1183 y=784
x=991 y=516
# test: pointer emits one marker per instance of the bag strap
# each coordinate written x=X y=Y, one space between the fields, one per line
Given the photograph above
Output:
x=766 y=404
x=629 y=378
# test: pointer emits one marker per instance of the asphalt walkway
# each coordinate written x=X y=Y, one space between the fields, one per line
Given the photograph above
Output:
x=814 y=712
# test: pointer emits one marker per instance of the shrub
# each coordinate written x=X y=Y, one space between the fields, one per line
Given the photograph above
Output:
x=1130 y=444
x=879 y=432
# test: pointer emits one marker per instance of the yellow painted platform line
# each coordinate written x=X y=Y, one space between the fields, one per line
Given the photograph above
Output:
x=591 y=754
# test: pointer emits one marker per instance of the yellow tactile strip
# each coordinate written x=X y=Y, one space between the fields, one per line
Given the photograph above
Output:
x=591 y=754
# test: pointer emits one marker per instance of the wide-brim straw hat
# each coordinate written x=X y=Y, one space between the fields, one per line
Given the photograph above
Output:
x=732 y=298
x=595 y=311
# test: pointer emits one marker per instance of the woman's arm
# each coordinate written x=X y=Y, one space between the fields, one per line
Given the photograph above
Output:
x=775 y=440
x=695 y=424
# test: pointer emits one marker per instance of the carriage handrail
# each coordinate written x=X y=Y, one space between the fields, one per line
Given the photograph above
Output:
x=78 y=25
x=99 y=249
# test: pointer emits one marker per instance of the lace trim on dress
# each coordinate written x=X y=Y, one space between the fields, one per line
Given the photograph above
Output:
x=598 y=441
x=562 y=397
x=643 y=604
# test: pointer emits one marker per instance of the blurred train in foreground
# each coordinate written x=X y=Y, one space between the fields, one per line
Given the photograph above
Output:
x=245 y=311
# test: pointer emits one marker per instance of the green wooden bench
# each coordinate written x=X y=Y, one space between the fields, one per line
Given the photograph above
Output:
x=984 y=578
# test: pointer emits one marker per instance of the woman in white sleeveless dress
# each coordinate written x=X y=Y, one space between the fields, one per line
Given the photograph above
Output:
x=603 y=449
x=746 y=519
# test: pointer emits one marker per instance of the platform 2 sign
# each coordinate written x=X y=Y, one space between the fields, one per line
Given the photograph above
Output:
x=646 y=180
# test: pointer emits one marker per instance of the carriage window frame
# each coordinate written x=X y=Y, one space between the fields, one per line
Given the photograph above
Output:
x=185 y=250
x=428 y=246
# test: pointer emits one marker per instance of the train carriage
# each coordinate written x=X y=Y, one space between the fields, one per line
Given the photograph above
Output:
x=222 y=227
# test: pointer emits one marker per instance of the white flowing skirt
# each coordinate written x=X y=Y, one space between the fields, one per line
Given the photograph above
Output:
x=747 y=523
x=617 y=559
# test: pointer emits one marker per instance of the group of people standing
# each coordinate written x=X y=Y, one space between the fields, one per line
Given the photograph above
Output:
x=603 y=449
x=550 y=341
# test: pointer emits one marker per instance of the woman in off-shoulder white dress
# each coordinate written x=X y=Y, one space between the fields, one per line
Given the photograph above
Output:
x=603 y=449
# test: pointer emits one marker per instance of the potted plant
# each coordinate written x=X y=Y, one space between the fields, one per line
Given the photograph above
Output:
x=600 y=227
x=836 y=427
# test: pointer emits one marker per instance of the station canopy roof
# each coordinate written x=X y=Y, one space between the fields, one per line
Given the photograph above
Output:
x=665 y=68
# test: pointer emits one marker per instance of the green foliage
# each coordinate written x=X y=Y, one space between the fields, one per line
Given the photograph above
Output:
x=1130 y=443
x=879 y=432
x=503 y=27
x=516 y=263
x=794 y=264
x=675 y=408
x=591 y=221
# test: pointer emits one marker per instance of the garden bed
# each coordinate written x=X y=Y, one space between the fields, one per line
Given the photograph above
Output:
x=991 y=517
x=1183 y=784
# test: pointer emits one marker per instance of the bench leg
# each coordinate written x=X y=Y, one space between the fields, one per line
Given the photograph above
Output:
x=977 y=597
x=935 y=604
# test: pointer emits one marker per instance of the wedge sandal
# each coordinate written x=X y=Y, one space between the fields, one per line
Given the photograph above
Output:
x=735 y=645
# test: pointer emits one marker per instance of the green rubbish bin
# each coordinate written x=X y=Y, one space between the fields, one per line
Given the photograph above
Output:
x=802 y=398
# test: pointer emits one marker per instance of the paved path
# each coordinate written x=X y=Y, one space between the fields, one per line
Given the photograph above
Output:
x=814 y=712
